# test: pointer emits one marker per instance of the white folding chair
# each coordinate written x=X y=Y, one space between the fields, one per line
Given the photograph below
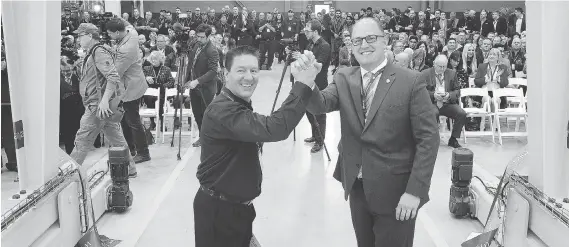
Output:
x=152 y=112
x=182 y=114
x=518 y=111
x=516 y=83
x=481 y=112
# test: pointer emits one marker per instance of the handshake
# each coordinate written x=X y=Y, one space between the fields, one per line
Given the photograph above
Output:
x=305 y=68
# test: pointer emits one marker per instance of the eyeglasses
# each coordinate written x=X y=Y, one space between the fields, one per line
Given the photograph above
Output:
x=370 y=39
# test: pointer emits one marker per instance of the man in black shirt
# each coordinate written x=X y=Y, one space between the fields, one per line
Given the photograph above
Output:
x=322 y=51
x=230 y=172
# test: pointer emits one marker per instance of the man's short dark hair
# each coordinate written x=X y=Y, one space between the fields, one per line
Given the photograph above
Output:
x=204 y=28
x=115 y=24
x=315 y=25
x=451 y=39
x=413 y=37
x=239 y=51
x=519 y=10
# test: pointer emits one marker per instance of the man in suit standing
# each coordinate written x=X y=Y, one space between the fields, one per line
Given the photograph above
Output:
x=389 y=140
x=201 y=74
x=321 y=50
x=444 y=89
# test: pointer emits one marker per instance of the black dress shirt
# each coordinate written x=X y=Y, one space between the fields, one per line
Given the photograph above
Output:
x=231 y=134
x=321 y=50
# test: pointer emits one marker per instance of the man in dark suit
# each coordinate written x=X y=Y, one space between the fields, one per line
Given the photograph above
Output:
x=201 y=74
x=499 y=24
x=444 y=88
x=485 y=24
x=389 y=140
x=321 y=50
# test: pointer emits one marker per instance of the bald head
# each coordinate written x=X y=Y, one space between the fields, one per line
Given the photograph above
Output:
x=440 y=64
x=402 y=59
x=368 y=21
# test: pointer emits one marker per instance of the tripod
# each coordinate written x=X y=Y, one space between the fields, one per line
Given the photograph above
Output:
x=178 y=121
x=287 y=64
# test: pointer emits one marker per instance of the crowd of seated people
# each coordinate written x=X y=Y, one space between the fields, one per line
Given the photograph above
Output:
x=489 y=46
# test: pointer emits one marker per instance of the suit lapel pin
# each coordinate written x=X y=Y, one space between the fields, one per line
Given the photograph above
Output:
x=387 y=81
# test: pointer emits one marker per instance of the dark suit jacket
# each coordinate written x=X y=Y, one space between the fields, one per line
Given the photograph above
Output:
x=501 y=26
x=204 y=68
x=398 y=143
x=486 y=27
x=512 y=26
x=480 y=78
x=452 y=86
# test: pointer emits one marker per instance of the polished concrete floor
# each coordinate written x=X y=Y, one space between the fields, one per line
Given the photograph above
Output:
x=301 y=204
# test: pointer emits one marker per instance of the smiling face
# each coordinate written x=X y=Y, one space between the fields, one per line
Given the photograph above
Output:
x=243 y=76
x=368 y=54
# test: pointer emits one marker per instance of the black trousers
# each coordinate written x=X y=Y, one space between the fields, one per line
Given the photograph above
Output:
x=220 y=223
x=200 y=100
x=264 y=47
x=456 y=113
x=132 y=128
x=378 y=230
x=8 y=142
x=321 y=120
x=71 y=111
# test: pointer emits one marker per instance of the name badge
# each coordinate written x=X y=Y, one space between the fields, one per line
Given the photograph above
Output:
x=268 y=30
x=289 y=29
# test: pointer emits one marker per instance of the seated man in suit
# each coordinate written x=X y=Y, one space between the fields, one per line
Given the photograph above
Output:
x=444 y=88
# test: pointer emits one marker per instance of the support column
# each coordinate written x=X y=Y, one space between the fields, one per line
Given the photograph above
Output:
x=113 y=6
x=32 y=55
x=548 y=102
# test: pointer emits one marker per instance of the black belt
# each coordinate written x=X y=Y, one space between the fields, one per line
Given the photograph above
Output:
x=223 y=197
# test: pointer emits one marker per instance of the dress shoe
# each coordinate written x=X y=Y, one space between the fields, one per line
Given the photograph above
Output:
x=196 y=144
x=316 y=148
x=452 y=142
x=310 y=140
x=139 y=158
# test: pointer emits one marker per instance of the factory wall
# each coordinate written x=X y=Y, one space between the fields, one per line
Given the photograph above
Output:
x=344 y=5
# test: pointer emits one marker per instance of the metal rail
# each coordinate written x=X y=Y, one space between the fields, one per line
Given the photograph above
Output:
x=57 y=183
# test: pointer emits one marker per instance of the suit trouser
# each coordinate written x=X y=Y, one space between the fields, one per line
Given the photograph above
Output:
x=8 y=142
x=264 y=47
x=377 y=230
x=132 y=127
x=456 y=113
x=71 y=111
x=321 y=119
x=221 y=223
x=199 y=100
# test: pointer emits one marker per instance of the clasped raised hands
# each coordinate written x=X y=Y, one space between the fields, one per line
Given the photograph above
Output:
x=305 y=68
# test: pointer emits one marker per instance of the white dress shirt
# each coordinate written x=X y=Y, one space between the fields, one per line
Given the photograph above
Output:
x=365 y=79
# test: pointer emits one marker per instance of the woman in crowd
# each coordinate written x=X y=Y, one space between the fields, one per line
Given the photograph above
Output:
x=455 y=63
x=157 y=76
x=492 y=75
x=469 y=62
x=71 y=104
x=346 y=57
x=419 y=59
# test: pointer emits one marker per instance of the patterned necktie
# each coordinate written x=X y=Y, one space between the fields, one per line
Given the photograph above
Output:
x=366 y=89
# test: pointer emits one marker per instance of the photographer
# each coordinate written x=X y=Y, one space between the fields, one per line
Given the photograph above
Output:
x=321 y=50
x=129 y=68
x=267 y=32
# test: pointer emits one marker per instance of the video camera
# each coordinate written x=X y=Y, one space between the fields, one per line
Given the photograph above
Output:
x=292 y=46
x=101 y=24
